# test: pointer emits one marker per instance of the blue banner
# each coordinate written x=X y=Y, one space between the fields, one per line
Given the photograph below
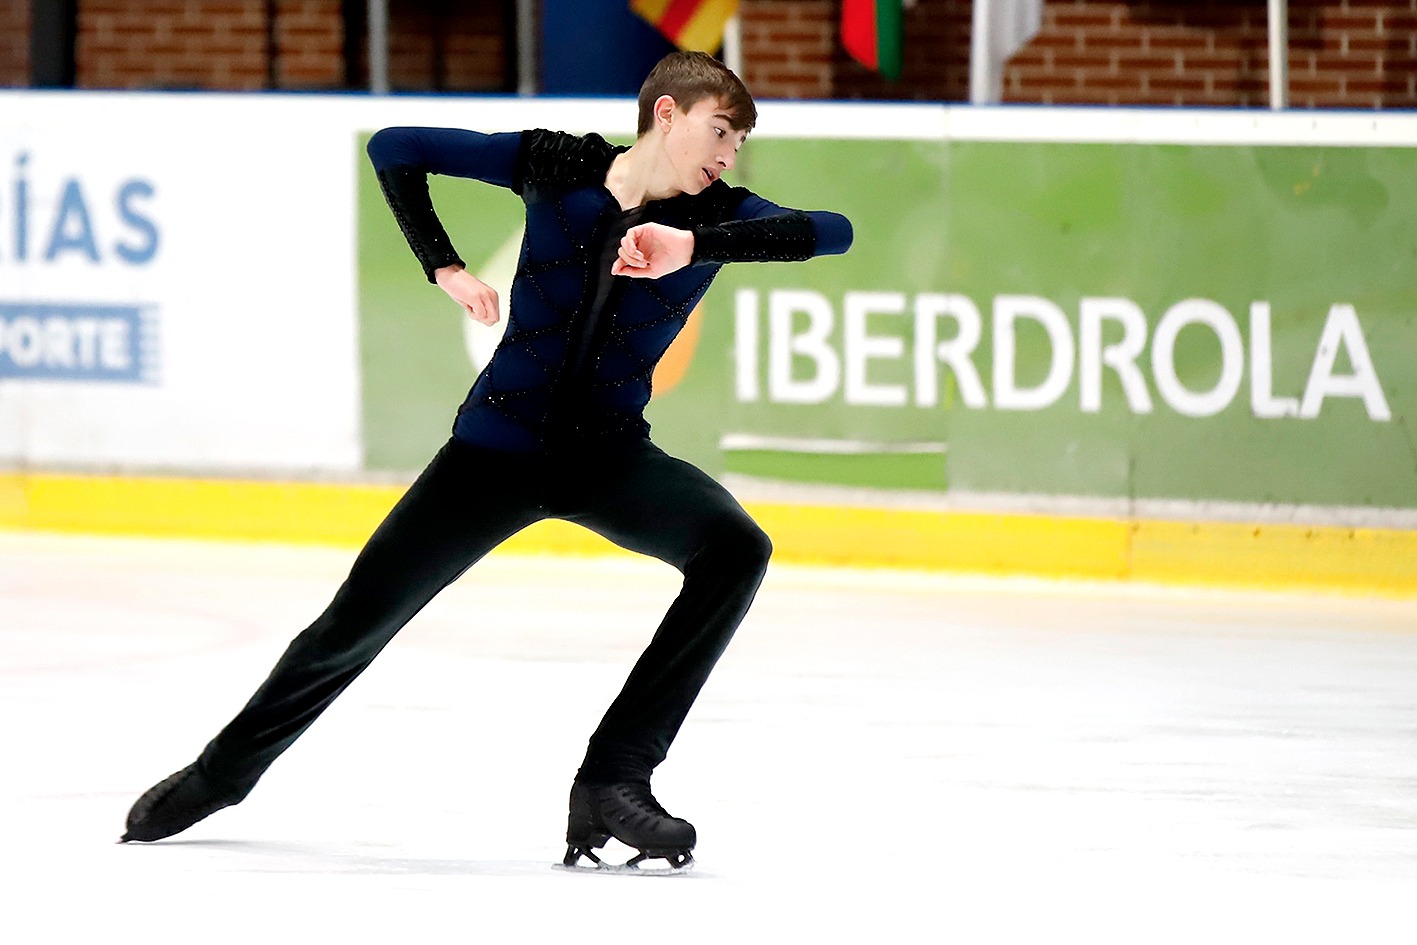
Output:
x=78 y=342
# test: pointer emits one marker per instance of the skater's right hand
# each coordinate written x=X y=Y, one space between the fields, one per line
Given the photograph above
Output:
x=476 y=297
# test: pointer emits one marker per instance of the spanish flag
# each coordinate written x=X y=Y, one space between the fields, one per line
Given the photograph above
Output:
x=689 y=24
x=871 y=32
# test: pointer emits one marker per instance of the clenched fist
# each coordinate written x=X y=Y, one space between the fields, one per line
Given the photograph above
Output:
x=651 y=250
x=476 y=297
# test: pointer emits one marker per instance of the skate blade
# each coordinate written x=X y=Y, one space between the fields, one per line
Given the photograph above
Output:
x=625 y=869
x=672 y=864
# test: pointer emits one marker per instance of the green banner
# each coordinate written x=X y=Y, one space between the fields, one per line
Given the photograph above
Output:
x=1117 y=321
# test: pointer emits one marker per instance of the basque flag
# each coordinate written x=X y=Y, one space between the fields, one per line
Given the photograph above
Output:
x=871 y=31
x=689 y=24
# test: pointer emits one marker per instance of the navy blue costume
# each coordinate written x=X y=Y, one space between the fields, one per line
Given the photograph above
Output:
x=580 y=345
x=552 y=428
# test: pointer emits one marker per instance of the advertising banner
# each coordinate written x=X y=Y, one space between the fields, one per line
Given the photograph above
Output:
x=1122 y=320
x=178 y=277
x=1119 y=322
x=1098 y=313
x=175 y=287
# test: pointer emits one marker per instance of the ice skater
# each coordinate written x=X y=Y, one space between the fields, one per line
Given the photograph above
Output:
x=621 y=243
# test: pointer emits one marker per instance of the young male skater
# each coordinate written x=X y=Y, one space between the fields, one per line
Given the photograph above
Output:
x=620 y=244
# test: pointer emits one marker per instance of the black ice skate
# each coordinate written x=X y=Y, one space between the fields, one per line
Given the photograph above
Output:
x=628 y=812
x=176 y=803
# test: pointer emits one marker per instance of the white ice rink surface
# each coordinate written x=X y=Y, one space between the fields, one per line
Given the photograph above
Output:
x=879 y=757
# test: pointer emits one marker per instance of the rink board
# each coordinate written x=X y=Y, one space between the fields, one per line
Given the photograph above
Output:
x=1358 y=560
x=1140 y=344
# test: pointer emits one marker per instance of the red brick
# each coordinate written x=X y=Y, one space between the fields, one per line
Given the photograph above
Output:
x=769 y=55
x=1210 y=62
x=1033 y=58
x=786 y=75
x=1338 y=64
x=1074 y=60
x=1176 y=83
x=763 y=14
x=1089 y=17
x=797 y=37
x=1366 y=44
x=809 y=11
x=1068 y=96
x=1354 y=20
x=1110 y=82
x=1030 y=76
x=1171 y=40
x=1403 y=63
x=1338 y=101
x=158 y=49
x=1355 y=85
x=1128 y=37
x=1054 y=40
x=1324 y=84
x=1150 y=62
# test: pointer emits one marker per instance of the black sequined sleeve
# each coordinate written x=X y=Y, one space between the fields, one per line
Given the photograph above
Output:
x=406 y=191
x=766 y=232
x=787 y=237
x=404 y=157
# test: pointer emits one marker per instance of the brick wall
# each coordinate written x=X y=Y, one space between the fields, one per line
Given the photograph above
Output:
x=447 y=46
x=310 y=38
x=792 y=49
x=935 y=58
x=210 y=44
x=227 y=44
x=788 y=47
x=14 y=42
x=1342 y=54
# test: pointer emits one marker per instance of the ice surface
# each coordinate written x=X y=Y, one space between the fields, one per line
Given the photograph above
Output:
x=879 y=756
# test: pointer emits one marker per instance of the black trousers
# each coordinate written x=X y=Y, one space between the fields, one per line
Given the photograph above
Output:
x=463 y=505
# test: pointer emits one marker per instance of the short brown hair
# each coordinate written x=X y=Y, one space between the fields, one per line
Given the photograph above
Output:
x=689 y=78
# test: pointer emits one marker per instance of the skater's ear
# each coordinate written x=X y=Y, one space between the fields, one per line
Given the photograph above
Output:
x=664 y=108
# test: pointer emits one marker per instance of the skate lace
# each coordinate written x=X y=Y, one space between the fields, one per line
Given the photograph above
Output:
x=644 y=802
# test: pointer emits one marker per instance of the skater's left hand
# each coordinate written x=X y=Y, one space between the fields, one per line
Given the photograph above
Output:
x=651 y=250
x=476 y=297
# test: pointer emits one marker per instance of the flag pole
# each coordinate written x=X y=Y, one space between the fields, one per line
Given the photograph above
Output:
x=378 y=14
x=982 y=82
x=526 y=47
x=733 y=45
x=1278 y=54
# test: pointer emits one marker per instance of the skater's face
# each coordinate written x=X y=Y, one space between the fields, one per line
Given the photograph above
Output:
x=701 y=143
